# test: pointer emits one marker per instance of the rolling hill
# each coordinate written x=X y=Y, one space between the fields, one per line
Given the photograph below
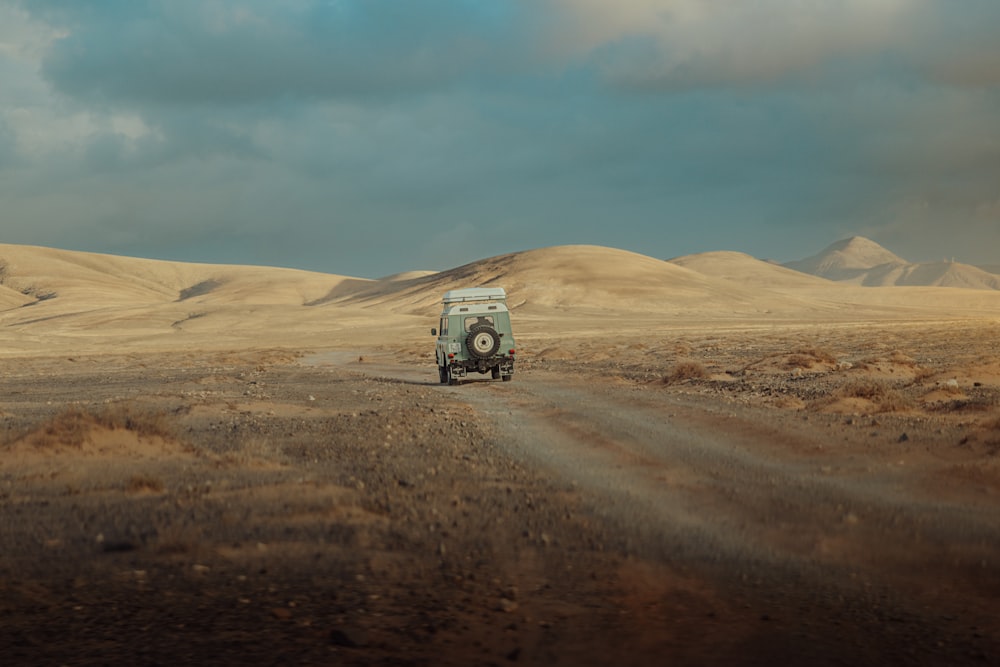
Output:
x=58 y=301
x=747 y=270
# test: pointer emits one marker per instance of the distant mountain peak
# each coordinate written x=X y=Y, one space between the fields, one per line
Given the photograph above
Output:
x=861 y=261
x=858 y=252
x=846 y=258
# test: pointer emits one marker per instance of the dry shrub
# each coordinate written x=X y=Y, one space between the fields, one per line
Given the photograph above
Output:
x=71 y=427
x=807 y=357
x=68 y=429
x=992 y=425
x=144 y=483
x=799 y=361
x=685 y=370
x=884 y=396
x=817 y=354
x=902 y=359
x=130 y=417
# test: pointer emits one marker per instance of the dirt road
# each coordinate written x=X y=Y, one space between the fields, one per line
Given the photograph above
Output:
x=822 y=553
x=257 y=507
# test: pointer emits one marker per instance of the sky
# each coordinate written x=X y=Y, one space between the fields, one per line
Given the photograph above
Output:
x=369 y=137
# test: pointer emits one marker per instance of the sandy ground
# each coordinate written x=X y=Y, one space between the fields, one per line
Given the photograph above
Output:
x=718 y=495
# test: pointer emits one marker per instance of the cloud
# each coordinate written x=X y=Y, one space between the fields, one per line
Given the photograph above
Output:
x=956 y=43
x=371 y=136
x=670 y=44
x=232 y=53
x=684 y=44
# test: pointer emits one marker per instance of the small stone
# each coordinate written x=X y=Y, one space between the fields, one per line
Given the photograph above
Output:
x=904 y=438
x=507 y=606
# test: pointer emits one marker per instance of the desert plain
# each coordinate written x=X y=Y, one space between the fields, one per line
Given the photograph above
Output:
x=708 y=461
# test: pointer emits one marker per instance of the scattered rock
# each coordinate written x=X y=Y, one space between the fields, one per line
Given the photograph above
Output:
x=507 y=606
x=352 y=638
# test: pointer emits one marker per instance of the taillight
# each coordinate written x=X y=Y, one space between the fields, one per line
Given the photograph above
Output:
x=511 y=352
x=451 y=355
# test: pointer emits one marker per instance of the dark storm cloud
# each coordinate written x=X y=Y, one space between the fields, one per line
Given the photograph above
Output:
x=257 y=52
x=373 y=136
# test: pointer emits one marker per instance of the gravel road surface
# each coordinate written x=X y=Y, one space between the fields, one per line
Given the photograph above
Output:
x=264 y=507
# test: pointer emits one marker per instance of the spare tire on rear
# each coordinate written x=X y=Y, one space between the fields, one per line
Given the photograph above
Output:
x=483 y=342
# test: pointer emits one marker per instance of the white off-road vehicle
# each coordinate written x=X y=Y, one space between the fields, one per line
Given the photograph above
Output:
x=475 y=335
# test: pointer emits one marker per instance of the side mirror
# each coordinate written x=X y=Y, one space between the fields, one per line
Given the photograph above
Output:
x=434 y=332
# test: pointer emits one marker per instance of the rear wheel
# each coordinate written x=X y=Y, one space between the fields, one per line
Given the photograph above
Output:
x=508 y=378
x=496 y=372
x=443 y=374
x=451 y=378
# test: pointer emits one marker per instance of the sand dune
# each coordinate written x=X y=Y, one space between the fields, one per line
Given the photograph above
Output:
x=46 y=273
x=72 y=301
x=743 y=268
x=562 y=277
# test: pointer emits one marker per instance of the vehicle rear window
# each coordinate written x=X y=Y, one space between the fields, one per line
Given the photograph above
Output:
x=479 y=319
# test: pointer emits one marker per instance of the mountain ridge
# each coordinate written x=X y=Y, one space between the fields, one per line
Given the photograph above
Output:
x=861 y=261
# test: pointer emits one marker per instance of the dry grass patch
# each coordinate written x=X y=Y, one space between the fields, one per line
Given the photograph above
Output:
x=685 y=370
x=807 y=357
x=143 y=483
x=992 y=425
x=922 y=374
x=881 y=394
x=73 y=427
x=865 y=395
x=902 y=359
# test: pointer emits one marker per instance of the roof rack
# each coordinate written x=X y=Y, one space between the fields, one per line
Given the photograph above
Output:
x=475 y=294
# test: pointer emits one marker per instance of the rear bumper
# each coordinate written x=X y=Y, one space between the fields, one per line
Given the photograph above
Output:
x=460 y=368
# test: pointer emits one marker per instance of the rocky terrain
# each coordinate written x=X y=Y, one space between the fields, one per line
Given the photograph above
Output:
x=792 y=496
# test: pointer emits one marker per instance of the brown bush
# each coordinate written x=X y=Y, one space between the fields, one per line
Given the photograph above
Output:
x=902 y=359
x=130 y=417
x=140 y=483
x=816 y=354
x=685 y=370
x=884 y=396
x=807 y=357
x=71 y=427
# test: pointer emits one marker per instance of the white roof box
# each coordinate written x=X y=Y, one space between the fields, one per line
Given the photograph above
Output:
x=475 y=294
